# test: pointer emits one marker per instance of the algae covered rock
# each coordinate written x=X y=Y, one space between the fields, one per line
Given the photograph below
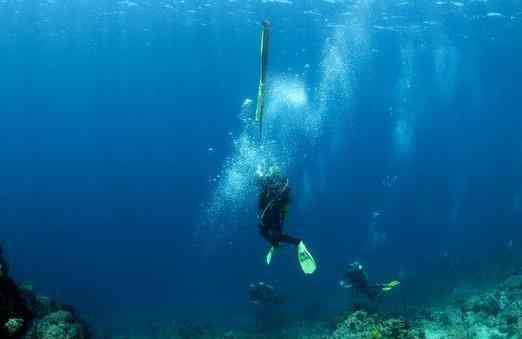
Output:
x=51 y=319
x=360 y=325
x=15 y=315
x=57 y=325
x=513 y=283
x=39 y=305
x=14 y=325
x=398 y=328
x=356 y=325
x=487 y=304
x=23 y=314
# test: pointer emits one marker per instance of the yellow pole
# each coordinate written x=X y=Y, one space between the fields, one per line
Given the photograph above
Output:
x=265 y=39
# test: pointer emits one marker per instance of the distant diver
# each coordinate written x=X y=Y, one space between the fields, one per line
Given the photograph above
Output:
x=264 y=294
x=273 y=204
x=357 y=279
x=260 y=106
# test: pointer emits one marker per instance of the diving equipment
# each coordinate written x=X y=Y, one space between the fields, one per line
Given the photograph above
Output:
x=390 y=286
x=306 y=260
x=270 y=254
x=260 y=106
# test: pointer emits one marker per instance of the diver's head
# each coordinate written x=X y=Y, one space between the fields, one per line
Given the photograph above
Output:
x=270 y=175
x=356 y=276
x=355 y=267
x=274 y=172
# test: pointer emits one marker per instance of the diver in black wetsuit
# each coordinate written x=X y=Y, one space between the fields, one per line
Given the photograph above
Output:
x=264 y=294
x=273 y=203
x=15 y=315
x=356 y=278
x=269 y=310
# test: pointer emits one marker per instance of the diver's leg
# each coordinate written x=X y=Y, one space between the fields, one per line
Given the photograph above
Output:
x=374 y=292
x=269 y=235
x=278 y=232
x=284 y=237
x=289 y=240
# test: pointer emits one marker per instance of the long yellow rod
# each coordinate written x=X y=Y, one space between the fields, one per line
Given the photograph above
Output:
x=265 y=39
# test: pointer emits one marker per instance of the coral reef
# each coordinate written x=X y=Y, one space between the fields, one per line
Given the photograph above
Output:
x=15 y=315
x=360 y=325
x=57 y=325
x=14 y=325
x=495 y=313
x=52 y=320
x=25 y=315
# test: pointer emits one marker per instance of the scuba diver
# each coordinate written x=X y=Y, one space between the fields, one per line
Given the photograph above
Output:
x=269 y=310
x=15 y=315
x=273 y=203
x=274 y=195
x=356 y=278
x=264 y=294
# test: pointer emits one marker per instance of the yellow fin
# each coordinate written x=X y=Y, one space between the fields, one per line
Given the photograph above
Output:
x=391 y=285
x=269 y=255
x=306 y=260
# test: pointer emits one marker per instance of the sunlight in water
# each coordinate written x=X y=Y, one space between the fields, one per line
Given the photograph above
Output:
x=403 y=137
x=283 y=134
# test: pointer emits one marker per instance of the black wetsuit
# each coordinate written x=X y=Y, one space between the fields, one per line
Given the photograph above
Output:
x=263 y=294
x=358 y=279
x=274 y=198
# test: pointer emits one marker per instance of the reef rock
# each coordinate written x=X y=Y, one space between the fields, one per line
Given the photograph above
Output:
x=25 y=315
x=57 y=325
x=360 y=325
x=513 y=283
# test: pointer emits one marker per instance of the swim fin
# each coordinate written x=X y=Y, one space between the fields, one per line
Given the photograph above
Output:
x=269 y=255
x=391 y=285
x=306 y=260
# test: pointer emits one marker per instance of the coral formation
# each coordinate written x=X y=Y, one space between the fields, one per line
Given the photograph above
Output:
x=494 y=313
x=490 y=314
x=25 y=315
x=361 y=325
x=15 y=315
x=53 y=320
x=14 y=325
x=57 y=325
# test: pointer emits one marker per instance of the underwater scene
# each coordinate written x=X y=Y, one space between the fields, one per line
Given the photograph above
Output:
x=280 y=169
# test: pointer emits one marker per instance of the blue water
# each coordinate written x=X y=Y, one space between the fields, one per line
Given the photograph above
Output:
x=127 y=150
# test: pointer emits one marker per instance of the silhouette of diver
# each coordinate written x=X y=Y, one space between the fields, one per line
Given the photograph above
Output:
x=273 y=203
x=264 y=294
x=357 y=279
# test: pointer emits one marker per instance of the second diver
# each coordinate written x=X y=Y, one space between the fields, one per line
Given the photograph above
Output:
x=273 y=204
x=357 y=279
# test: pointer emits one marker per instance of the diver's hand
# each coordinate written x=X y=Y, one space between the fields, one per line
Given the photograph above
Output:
x=344 y=284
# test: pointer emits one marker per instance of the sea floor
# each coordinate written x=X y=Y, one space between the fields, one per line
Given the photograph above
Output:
x=492 y=313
